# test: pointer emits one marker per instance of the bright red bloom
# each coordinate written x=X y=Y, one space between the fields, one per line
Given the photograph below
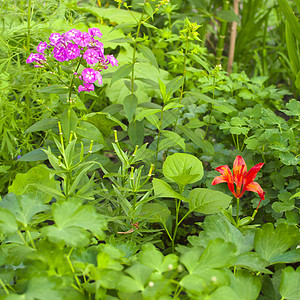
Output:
x=242 y=179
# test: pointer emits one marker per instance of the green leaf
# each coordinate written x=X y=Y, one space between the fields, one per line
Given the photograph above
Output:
x=208 y=201
x=183 y=168
x=104 y=122
x=163 y=189
x=34 y=155
x=27 y=183
x=155 y=212
x=291 y=17
x=54 y=89
x=174 y=85
x=121 y=72
x=270 y=243
x=227 y=15
x=290 y=284
x=73 y=223
x=146 y=112
x=148 y=54
x=217 y=226
x=246 y=285
x=68 y=122
x=24 y=207
x=90 y=132
x=223 y=293
x=42 y=125
x=151 y=257
x=175 y=138
x=130 y=103
x=8 y=222
x=136 y=133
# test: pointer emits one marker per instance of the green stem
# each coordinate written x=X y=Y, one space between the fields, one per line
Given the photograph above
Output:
x=79 y=288
x=159 y=134
x=4 y=287
x=222 y=34
x=212 y=107
x=237 y=210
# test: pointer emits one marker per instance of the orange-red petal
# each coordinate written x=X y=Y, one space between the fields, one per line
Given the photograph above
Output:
x=239 y=172
x=250 y=176
x=226 y=176
x=256 y=188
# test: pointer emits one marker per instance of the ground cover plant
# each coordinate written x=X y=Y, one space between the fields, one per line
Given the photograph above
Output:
x=140 y=159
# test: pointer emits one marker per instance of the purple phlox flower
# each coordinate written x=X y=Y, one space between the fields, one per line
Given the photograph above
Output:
x=72 y=51
x=91 y=56
x=37 y=57
x=95 y=32
x=42 y=47
x=82 y=39
x=88 y=87
x=71 y=34
x=90 y=75
x=112 y=60
x=59 y=53
x=55 y=39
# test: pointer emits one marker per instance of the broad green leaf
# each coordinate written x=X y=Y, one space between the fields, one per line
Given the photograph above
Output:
x=24 y=207
x=28 y=182
x=90 y=131
x=223 y=293
x=34 y=155
x=217 y=226
x=163 y=189
x=183 y=168
x=213 y=256
x=174 y=85
x=136 y=133
x=73 y=222
x=130 y=103
x=146 y=112
x=193 y=283
x=148 y=54
x=155 y=212
x=42 y=125
x=8 y=222
x=151 y=257
x=121 y=72
x=175 y=138
x=208 y=201
x=104 y=122
x=54 y=89
x=68 y=122
x=227 y=15
x=290 y=284
x=271 y=243
x=252 y=261
x=246 y=285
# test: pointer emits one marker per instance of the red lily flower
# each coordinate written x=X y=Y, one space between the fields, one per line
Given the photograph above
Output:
x=242 y=179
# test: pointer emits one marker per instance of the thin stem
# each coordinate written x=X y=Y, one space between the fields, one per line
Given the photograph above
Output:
x=79 y=288
x=159 y=134
x=4 y=287
x=237 y=210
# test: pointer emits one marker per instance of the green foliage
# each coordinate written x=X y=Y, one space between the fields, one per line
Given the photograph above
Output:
x=107 y=194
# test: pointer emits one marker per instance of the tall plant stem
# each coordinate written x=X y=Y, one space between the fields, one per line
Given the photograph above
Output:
x=232 y=37
x=237 y=210
x=134 y=52
x=222 y=34
x=159 y=133
x=212 y=107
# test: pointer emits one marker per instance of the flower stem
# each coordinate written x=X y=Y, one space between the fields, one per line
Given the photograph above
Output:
x=237 y=211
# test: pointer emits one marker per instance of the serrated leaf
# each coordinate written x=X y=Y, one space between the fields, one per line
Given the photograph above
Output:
x=290 y=284
x=73 y=223
x=8 y=222
x=270 y=243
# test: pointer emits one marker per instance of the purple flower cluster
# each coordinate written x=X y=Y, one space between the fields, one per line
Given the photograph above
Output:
x=73 y=45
